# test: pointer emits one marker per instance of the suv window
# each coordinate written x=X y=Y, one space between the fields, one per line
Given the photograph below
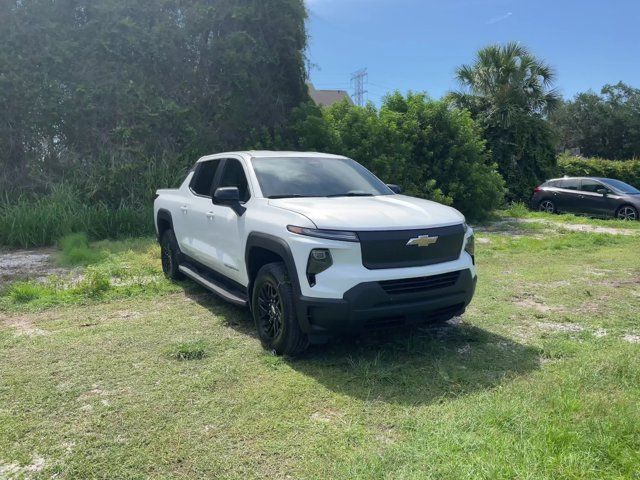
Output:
x=202 y=180
x=591 y=186
x=570 y=184
x=233 y=176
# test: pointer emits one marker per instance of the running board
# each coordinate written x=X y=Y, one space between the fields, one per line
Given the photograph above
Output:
x=214 y=287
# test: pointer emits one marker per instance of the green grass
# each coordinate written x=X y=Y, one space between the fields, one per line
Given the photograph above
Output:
x=75 y=250
x=539 y=381
x=521 y=211
x=28 y=222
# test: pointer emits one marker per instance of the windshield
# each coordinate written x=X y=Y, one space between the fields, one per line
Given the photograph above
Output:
x=621 y=186
x=316 y=177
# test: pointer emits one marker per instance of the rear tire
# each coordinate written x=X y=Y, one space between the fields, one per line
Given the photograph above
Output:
x=627 y=212
x=547 y=206
x=274 y=313
x=170 y=256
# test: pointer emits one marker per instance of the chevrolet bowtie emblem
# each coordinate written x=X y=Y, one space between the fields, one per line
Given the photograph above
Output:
x=422 y=241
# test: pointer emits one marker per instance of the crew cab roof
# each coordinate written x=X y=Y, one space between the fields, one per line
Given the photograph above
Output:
x=271 y=154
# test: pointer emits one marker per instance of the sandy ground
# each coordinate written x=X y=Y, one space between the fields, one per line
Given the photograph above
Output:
x=36 y=264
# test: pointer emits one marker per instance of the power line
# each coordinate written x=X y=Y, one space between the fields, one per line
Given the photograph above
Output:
x=358 y=80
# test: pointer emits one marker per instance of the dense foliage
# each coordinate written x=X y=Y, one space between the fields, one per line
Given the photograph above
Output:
x=626 y=170
x=605 y=125
x=113 y=95
x=509 y=91
x=425 y=146
x=103 y=102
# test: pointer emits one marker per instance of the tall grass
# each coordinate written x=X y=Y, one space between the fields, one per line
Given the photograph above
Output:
x=27 y=222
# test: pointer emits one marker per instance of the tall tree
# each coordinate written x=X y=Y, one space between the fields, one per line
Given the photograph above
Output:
x=605 y=125
x=101 y=91
x=510 y=92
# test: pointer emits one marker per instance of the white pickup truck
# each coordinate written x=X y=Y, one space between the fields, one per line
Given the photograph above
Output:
x=315 y=245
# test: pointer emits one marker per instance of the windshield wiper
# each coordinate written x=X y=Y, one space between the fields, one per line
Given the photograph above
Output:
x=351 y=194
x=291 y=195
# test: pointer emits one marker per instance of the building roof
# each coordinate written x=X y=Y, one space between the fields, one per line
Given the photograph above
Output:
x=325 y=98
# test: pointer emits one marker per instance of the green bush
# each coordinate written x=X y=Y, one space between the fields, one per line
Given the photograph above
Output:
x=24 y=292
x=75 y=250
x=430 y=149
x=28 y=222
x=626 y=170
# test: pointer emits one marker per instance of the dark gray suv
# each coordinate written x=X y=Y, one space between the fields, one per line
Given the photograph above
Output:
x=588 y=195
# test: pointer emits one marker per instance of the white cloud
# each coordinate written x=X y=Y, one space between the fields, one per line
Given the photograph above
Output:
x=500 y=18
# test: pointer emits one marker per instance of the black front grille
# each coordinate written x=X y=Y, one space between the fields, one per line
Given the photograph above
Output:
x=420 y=284
x=410 y=248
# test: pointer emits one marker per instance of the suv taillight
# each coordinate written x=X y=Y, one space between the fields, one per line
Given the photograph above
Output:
x=536 y=190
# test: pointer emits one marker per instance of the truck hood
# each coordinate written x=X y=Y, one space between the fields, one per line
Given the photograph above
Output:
x=383 y=212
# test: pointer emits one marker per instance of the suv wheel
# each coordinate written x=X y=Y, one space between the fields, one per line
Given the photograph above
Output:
x=273 y=308
x=627 y=212
x=170 y=254
x=547 y=206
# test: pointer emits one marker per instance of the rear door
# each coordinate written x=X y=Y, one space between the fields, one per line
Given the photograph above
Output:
x=568 y=199
x=591 y=200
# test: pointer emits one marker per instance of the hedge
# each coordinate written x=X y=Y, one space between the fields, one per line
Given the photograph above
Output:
x=626 y=170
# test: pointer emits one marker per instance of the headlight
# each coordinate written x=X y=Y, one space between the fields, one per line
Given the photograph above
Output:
x=470 y=248
x=328 y=234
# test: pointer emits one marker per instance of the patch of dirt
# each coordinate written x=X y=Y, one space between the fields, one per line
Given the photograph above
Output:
x=631 y=338
x=529 y=300
x=15 y=470
x=509 y=226
x=24 y=326
x=28 y=265
x=559 y=327
x=326 y=416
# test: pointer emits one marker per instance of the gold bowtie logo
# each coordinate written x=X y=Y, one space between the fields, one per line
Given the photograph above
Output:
x=422 y=241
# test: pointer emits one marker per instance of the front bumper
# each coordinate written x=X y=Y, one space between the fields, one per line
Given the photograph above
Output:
x=368 y=306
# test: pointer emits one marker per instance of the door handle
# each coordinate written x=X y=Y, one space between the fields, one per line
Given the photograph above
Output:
x=184 y=208
x=210 y=214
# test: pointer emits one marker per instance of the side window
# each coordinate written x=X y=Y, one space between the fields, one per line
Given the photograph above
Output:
x=570 y=184
x=233 y=176
x=203 y=177
x=591 y=186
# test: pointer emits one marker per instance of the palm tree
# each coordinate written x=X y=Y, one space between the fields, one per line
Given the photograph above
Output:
x=506 y=81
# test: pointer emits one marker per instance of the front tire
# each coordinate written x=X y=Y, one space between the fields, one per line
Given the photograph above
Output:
x=274 y=313
x=547 y=206
x=627 y=212
x=170 y=256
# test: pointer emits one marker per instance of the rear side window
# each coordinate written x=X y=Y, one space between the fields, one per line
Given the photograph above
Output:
x=551 y=183
x=591 y=186
x=570 y=184
x=233 y=176
x=203 y=177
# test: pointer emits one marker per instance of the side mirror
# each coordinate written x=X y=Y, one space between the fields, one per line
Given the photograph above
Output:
x=602 y=191
x=230 y=197
x=394 y=188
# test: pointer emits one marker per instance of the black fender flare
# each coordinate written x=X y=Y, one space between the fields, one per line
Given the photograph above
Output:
x=165 y=215
x=279 y=247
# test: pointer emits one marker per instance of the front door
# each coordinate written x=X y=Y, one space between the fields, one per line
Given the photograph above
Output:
x=592 y=201
x=230 y=228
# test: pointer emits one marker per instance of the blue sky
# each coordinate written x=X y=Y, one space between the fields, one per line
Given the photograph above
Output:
x=417 y=44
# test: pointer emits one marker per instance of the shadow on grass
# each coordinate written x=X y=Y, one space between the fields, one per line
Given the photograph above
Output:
x=418 y=366
x=413 y=366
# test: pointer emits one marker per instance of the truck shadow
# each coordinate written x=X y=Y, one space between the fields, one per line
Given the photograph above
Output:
x=415 y=366
x=418 y=366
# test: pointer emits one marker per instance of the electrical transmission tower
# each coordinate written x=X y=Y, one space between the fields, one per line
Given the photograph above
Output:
x=358 y=80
